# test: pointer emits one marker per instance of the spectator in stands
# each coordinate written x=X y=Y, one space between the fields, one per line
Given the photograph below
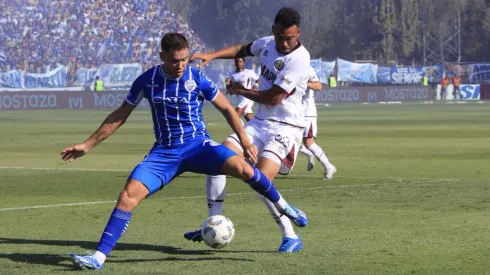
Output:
x=39 y=35
x=332 y=81
x=99 y=84
x=425 y=80
x=456 y=87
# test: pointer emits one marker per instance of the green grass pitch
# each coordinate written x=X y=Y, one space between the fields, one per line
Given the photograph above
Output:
x=411 y=196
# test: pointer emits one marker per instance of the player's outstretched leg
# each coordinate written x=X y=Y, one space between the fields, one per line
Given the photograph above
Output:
x=237 y=167
x=290 y=241
x=134 y=192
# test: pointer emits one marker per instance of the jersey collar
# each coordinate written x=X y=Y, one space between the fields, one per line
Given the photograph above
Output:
x=160 y=70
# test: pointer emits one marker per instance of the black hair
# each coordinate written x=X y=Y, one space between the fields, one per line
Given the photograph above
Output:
x=174 y=41
x=287 y=17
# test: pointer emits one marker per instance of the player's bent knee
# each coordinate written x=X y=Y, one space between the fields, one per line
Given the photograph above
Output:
x=308 y=142
x=238 y=168
x=133 y=193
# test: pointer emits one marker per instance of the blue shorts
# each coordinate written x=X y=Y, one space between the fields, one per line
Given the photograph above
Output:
x=162 y=165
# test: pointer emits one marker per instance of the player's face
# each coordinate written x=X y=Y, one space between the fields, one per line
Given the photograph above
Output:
x=239 y=64
x=175 y=62
x=286 y=38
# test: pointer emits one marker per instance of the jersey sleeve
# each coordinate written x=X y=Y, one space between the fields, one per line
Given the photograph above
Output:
x=136 y=93
x=257 y=46
x=207 y=87
x=312 y=76
x=293 y=73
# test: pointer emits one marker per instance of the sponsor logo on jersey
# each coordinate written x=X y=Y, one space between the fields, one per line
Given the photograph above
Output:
x=173 y=100
x=267 y=74
x=285 y=79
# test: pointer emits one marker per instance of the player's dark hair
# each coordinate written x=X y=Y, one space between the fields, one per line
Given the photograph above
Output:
x=174 y=41
x=287 y=17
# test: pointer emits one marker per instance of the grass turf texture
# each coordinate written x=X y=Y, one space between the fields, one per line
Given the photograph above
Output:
x=411 y=197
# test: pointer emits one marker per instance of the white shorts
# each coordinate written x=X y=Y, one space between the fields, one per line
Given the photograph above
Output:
x=311 y=127
x=245 y=104
x=276 y=141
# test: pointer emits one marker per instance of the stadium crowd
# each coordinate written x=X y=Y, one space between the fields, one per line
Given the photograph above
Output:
x=38 y=35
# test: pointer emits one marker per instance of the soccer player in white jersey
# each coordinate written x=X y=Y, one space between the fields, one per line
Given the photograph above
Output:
x=310 y=148
x=278 y=126
x=250 y=80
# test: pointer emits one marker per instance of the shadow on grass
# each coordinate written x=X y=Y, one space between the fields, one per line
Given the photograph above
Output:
x=61 y=260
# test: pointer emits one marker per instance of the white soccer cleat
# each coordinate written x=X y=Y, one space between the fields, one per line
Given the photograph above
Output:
x=328 y=175
x=311 y=162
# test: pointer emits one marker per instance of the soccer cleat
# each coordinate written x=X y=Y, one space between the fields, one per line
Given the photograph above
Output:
x=88 y=262
x=295 y=215
x=311 y=162
x=328 y=175
x=194 y=236
x=290 y=245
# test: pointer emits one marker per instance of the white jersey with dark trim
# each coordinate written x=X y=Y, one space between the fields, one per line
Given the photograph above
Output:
x=288 y=71
x=246 y=77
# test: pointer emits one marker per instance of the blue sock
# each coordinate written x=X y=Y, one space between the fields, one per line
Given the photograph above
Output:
x=115 y=228
x=260 y=183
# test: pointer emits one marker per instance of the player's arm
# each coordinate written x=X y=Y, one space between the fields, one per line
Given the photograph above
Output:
x=274 y=96
x=239 y=50
x=110 y=124
x=315 y=86
x=313 y=81
x=256 y=85
x=228 y=82
x=224 y=106
x=106 y=129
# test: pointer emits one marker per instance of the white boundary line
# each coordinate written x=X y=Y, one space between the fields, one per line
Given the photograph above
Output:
x=292 y=176
x=231 y=194
x=66 y=169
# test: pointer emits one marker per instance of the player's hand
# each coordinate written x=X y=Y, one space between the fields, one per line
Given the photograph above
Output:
x=251 y=152
x=73 y=152
x=228 y=85
x=235 y=89
x=204 y=57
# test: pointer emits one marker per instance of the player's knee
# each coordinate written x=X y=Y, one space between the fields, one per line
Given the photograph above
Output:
x=308 y=142
x=125 y=201
x=247 y=171
x=244 y=171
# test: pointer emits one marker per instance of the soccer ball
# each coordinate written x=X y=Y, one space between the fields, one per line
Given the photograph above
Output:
x=217 y=231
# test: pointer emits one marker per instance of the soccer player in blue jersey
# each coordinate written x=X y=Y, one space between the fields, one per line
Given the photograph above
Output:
x=176 y=93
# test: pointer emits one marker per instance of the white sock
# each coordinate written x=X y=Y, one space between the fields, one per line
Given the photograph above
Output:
x=304 y=150
x=215 y=192
x=100 y=257
x=320 y=155
x=282 y=221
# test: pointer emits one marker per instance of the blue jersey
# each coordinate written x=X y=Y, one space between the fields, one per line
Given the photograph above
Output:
x=176 y=103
